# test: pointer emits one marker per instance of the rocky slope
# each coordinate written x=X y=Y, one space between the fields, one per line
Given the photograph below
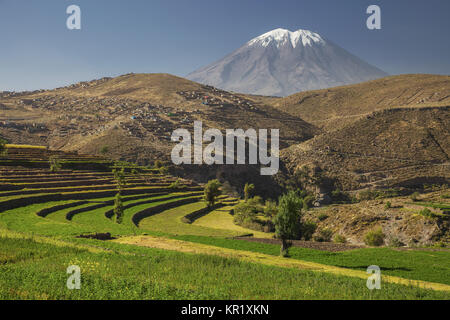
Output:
x=336 y=107
x=387 y=149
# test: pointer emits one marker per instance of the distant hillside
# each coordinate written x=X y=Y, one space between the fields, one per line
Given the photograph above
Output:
x=335 y=107
x=154 y=88
x=390 y=148
x=132 y=117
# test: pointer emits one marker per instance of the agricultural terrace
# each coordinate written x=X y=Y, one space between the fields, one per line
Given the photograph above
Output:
x=58 y=209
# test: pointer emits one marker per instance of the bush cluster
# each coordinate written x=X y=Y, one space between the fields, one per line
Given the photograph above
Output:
x=247 y=214
x=374 y=238
x=377 y=194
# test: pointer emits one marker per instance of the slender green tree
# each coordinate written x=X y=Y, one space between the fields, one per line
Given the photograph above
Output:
x=2 y=147
x=119 y=176
x=212 y=191
x=118 y=208
x=248 y=191
x=55 y=164
x=287 y=221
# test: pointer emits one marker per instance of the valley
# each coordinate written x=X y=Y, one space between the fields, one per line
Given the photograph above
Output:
x=361 y=166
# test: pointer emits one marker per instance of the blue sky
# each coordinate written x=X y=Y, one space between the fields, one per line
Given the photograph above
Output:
x=178 y=36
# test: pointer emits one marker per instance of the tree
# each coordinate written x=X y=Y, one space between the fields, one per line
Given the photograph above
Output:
x=248 y=190
x=55 y=164
x=2 y=147
x=118 y=208
x=212 y=191
x=119 y=176
x=287 y=221
x=163 y=170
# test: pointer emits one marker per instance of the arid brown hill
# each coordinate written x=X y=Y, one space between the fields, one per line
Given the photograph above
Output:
x=134 y=115
x=335 y=107
x=405 y=147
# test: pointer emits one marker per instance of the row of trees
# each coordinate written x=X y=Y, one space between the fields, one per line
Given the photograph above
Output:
x=120 y=179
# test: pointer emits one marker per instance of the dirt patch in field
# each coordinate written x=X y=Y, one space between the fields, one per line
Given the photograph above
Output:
x=324 y=246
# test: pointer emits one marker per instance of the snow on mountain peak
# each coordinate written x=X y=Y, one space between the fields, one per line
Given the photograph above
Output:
x=269 y=65
x=282 y=36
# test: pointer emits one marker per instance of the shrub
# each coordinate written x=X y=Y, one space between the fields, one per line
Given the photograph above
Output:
x=440 y=244
x=340 y=196
x=244 y=211
x=308 y=202
x=323 y=235
x=307 y=230
x=248 y=190
x=322 y=217
x=427 y=213
x=176 y=184
x=378 y=194
x=163 y=170
x=339 y=239
x=270 y=209
x=388 y=205
x=104 y=150
x=445 y=196
x=246 y=215
x=374 y=238
x=414 y=196
x=256 y=201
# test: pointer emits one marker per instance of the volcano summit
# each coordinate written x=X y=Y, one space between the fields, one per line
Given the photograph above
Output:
x=282 y=62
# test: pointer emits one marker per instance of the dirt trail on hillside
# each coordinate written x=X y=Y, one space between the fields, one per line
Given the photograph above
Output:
x=255 y=257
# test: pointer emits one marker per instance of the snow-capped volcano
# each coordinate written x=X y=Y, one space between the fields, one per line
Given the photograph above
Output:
x=282 y=36
x=282 y=62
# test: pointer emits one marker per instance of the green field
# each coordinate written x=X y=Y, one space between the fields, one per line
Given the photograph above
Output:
x=39 y=229
x=433 y=266
x=33 y=270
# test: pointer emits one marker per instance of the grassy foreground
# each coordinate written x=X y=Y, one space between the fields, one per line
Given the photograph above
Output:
x=35 y=268
x=433 y=266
